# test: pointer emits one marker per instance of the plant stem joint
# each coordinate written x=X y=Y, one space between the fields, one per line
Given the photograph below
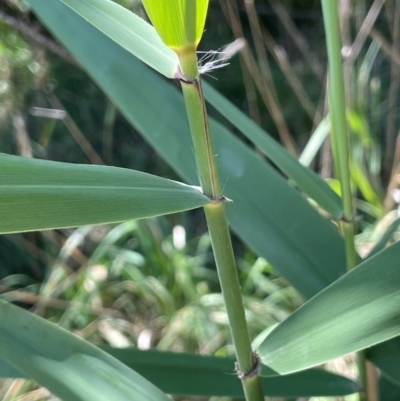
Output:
x=182 y=78
x=215 y=200
x=344 y=219
x=254 y=371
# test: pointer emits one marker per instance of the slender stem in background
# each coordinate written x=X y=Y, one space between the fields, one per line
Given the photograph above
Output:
x=247 y=362
x=249 y=84
x=340 y=145
x=390 y=135
x=259 y=79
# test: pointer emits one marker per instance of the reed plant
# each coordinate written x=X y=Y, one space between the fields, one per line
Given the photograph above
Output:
x=353 y=302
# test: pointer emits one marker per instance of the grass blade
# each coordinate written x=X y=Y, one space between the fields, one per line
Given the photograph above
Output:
x=68 y=366
x=314 y=144
x=129 y=31
x=313 y=185
x=211 y=376
x=38 y=195
x=169 y=18
x=358 y=310
x=189 y=374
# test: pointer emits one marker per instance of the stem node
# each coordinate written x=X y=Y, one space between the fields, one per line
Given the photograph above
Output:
x=254 y=371
x=179 y=75
x=217 y=200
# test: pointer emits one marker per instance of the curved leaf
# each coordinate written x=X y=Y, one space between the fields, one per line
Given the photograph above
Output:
x=267 y=213
x=190 y=374
x=359 y=310
x=68 y=366
x=38 y=195
x=129 y=31
x=311 y=183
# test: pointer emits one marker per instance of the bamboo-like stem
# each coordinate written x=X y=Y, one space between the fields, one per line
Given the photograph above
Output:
x=204 y=154
x=337 y=106
x=247 y=362
x=340 y=145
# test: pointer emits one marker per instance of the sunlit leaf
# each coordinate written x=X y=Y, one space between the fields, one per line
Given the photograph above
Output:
x=180 y=23
x=129 y=31
x=315 y=142
x=358 y=310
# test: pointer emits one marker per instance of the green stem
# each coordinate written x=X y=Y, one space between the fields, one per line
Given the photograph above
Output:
x=220 y=237
x=219 y=232
x=340 y=144
x=198 y=121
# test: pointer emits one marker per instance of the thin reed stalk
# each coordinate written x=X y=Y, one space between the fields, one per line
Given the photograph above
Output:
x=247 y=362
x=260 y=81
x=298 y=39
x=249 y=84
x=340 y=146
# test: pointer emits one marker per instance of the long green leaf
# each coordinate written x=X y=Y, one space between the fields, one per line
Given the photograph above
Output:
x=129 y=31
x=38 y=195
x=312 y=184
x=206 y=376
x=358 y=310
x=266 y=212
x=189 y=374
x=68 y=366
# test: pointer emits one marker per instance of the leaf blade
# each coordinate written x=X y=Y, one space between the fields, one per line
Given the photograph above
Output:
x=56 y=358
x=37 y=195
x=176 y=22
x=313 y=185
x=190 y=374
x=197 y=375
x=359 y=310
x=129 y=31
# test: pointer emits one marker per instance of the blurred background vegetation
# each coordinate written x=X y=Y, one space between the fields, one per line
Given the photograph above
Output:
x=152 y=283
